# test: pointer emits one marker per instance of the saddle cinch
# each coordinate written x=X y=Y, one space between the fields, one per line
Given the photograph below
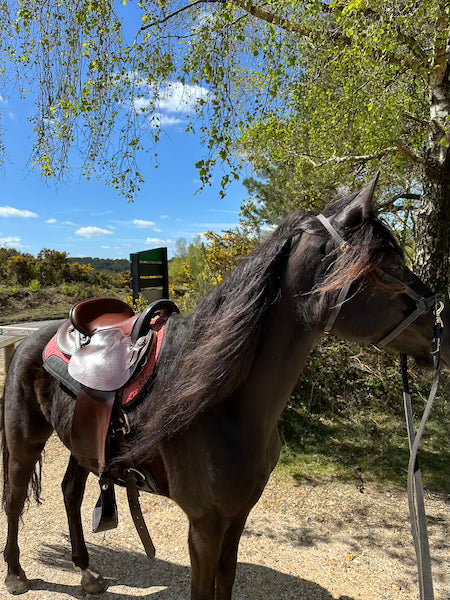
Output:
x=105 y=356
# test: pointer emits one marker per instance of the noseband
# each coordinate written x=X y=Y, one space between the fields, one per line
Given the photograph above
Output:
x=415 y=488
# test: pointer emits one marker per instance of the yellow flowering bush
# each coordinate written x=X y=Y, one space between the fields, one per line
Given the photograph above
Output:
x=222 y=252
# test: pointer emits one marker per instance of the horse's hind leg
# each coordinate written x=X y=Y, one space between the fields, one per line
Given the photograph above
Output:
x=23 y=446
x=73 y=486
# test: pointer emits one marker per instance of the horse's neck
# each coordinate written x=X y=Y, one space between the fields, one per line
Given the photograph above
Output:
x=283 y=351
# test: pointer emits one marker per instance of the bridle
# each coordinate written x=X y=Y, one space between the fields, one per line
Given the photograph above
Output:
x=423 y=304
x=415 y=488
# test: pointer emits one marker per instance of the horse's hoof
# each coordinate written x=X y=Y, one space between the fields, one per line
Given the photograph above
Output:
x=92 y=583
x=17 y=584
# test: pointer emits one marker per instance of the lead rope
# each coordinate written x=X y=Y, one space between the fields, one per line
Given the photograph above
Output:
x=416 y=500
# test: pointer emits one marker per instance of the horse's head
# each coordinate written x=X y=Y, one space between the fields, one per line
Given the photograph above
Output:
x=363 y=286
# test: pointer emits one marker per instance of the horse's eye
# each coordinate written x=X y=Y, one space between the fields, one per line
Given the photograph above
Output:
x=396 y=268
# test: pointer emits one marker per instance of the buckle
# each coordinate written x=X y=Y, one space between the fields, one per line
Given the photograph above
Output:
x=123 y=425
x=138 y=474
x=438 y=308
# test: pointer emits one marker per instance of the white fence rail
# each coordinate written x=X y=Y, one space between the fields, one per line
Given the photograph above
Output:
x=10 y=335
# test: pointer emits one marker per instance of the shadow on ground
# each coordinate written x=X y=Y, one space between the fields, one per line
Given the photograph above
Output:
x=137 y=571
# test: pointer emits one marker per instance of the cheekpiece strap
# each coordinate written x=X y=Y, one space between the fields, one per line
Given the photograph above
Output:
x=332 y=231
x=342 y=244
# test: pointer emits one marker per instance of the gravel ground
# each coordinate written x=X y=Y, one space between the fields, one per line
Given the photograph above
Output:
x=302 y=541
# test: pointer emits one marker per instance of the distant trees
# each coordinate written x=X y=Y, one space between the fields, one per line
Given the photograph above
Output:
x=50 y=268
x=112 y=265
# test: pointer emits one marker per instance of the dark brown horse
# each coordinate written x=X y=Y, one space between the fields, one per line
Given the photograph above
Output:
x=208 y=430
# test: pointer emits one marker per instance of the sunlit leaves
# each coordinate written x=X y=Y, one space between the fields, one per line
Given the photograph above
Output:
x=312 y=79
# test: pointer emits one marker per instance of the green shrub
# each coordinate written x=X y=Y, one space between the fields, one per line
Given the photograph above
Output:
x=35 y=285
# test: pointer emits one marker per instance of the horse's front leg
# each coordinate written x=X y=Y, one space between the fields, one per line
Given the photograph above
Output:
x=226 y=570
x=73 y=487
x=205 y=546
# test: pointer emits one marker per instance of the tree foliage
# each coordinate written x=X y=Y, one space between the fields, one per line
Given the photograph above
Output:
x=51 y=268
x=324 y=92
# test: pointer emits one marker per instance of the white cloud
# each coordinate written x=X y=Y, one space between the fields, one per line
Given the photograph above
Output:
x=142 y=105
x=157 y=229
x=11 y=242
x=142 y=224
x=12 y=115
x=9 y=211
x=3 y=100
x=159 y=241
x=51 y=221
x=92 y=232
x=106 y=247
x=159 y=120
x=164 y=217
x=179 y=97
x=69 y=223
x=111 y=227
x=171 y=97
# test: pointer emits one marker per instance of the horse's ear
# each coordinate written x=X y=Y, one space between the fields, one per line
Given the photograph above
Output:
x=360 y=208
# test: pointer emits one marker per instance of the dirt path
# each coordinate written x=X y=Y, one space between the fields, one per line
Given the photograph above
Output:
x=301 y=542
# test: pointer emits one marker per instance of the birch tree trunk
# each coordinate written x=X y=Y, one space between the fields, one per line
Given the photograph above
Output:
x=433 y=219
x=433 y=231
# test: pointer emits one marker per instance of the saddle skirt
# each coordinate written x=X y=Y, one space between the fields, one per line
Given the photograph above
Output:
x=104 y=361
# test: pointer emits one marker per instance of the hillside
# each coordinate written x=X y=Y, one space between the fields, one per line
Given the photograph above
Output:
x=111 y=265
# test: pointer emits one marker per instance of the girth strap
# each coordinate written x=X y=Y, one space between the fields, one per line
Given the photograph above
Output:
x=133 y=498
x=136 y=513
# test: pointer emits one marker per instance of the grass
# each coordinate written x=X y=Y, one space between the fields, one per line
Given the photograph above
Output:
x=368 y=445
x=19 y=305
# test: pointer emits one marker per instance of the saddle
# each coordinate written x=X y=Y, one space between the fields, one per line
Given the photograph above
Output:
x=106 y=341
x=104 y=356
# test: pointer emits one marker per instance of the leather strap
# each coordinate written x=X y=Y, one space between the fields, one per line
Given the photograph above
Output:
x=332 y=231
x=136 y=513
x=133 y=498
x=90 y=423
x=415 y=488
x=337 y=307
x=345 y=290
x=420 y=310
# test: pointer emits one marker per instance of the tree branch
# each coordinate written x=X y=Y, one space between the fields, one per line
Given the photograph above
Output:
x=410 y=62
x=177 y=12
x=250 y=8
x=411 y=154
x=336 y=160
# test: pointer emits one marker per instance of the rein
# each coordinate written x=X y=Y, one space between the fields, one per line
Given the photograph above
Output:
x=415 y=488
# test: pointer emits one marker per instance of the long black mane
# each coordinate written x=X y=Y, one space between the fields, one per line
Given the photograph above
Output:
x=208 y=355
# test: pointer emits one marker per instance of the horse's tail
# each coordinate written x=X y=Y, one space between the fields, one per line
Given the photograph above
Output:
x=35 y=487
x=4 y=447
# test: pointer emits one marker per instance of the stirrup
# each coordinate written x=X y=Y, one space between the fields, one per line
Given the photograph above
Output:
x=105 y=514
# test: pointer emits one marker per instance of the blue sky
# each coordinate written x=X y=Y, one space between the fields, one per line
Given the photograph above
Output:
x=90 y=219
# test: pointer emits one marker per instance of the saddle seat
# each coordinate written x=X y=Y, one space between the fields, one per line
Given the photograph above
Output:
x=90 y=315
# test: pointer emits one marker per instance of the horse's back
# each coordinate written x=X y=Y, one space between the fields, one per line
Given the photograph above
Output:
x=26 y=380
